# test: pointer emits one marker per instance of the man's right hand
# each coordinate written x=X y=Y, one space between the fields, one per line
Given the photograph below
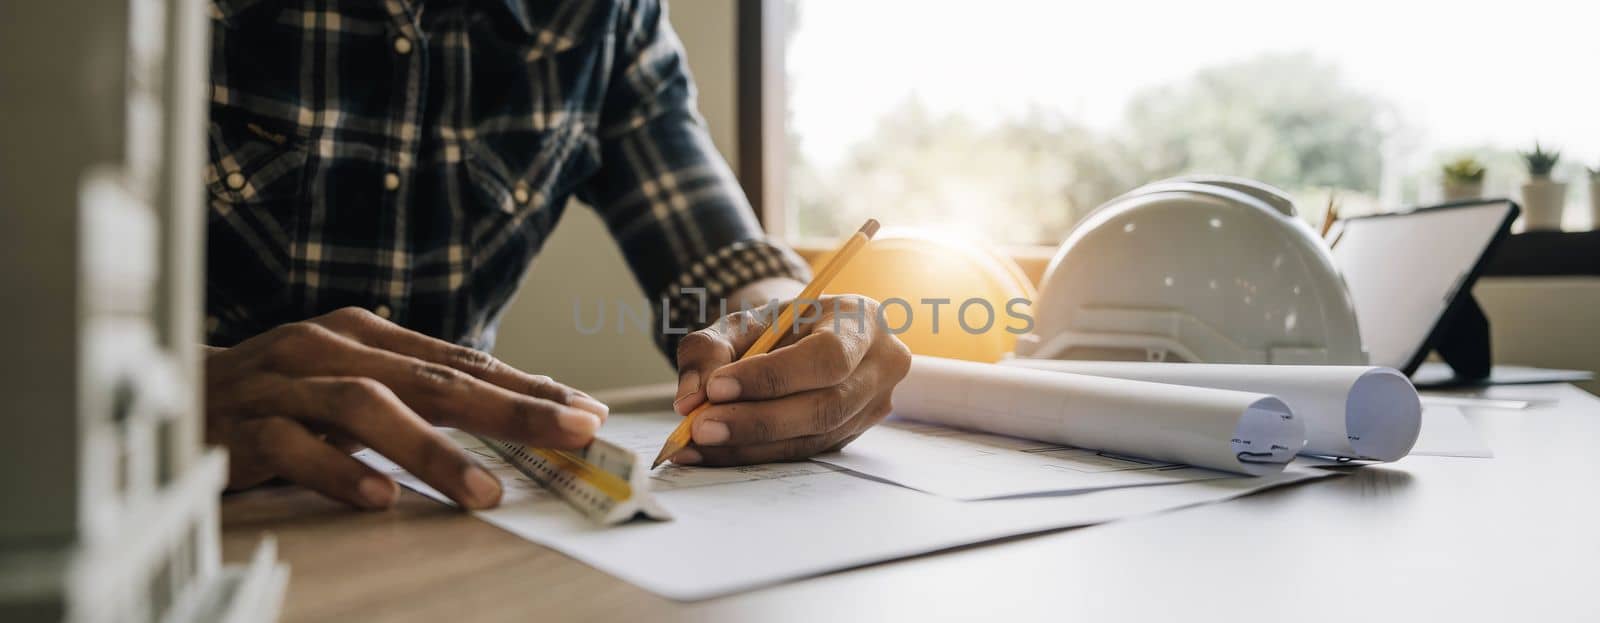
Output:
x=294 y=402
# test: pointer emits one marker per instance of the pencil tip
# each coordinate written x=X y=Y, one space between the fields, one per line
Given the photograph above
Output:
x=870 y=228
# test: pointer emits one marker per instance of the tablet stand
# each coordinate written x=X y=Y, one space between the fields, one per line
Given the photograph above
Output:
x=1462 y=339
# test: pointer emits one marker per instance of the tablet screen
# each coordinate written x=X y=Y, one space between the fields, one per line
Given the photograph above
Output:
x=1404 y=269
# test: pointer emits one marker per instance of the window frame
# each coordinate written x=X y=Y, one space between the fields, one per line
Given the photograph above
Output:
x=762 y=103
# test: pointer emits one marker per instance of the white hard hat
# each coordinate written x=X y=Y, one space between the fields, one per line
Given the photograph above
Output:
x=1199 y=269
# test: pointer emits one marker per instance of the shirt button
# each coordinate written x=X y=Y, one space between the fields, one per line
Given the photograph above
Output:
x=520 y=193
x=402 y=46
x=391 y=181
x=212 y=322
x=383 y=311
x=235 y=180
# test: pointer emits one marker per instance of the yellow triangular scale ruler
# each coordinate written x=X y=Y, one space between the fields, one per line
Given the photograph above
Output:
x=606 y=482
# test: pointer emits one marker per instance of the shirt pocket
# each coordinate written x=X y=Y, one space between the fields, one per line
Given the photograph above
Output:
x=256 y=182
x=518 y=193
x=253 y=164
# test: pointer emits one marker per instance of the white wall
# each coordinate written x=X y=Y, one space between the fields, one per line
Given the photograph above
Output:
x=581 y=262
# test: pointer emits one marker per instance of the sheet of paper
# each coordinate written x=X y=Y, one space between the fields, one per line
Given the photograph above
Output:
x=739 y=529
x=1356 y=412
x=1446 y=431
x=1471 y=402
x=1233 y=431
x=968 y=465
x=1436 y=374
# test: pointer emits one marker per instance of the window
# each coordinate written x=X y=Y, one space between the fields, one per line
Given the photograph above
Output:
x=1007 y=121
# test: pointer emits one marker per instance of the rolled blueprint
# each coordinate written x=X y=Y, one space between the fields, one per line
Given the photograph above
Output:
x=1241 y=432
x=1358 y=412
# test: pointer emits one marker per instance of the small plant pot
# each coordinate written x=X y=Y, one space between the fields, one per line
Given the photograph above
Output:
x=1594 y=204
x=1462 y=191
x=1543 y=201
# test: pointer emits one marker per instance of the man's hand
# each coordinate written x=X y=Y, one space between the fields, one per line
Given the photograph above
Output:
x=295 y=401
x=828 y=381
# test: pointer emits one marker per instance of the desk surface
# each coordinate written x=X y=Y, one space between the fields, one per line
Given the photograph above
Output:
x=1515 y=537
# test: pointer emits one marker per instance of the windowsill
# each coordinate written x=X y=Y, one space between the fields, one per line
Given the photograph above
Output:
x=1526 y=254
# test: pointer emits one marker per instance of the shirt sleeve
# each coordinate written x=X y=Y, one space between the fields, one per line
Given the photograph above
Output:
x=664 y=191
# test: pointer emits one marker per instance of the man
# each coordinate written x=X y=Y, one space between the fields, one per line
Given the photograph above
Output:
x=381 y=175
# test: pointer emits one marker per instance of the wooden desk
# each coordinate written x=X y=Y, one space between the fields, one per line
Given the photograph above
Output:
x=1516 y=537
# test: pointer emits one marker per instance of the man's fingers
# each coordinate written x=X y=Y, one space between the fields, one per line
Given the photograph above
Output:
x=795 y=449
x=715 y=346
x=698 y=354
x=368 y=411
x=370 y=329
x=792 y=449
x=344 y=443
x=807 y=413
x=447 y=396
x=823 y=358
x=294 y=453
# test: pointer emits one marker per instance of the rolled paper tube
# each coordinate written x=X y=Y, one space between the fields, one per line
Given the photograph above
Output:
x=1357 y=412
x=1233 y=431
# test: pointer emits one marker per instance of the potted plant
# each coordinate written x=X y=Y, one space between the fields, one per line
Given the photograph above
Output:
x=1543 y=199
x=1594 y=198
x=1463 y=179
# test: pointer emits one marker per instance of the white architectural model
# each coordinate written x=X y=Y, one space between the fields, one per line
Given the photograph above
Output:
x=110 y=499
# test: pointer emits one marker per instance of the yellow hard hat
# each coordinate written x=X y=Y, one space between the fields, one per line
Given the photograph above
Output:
x=908 y=271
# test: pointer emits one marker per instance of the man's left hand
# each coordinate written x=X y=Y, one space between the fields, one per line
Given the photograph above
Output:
x=829 y=379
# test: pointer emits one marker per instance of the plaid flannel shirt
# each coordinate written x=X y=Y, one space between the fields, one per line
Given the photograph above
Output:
x=412 y=156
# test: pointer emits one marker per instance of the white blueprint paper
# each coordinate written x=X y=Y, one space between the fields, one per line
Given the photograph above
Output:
x=739 y=529
x=1356 y=412
x=1447 y=432
x=968 y=465
x=1233 y=431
